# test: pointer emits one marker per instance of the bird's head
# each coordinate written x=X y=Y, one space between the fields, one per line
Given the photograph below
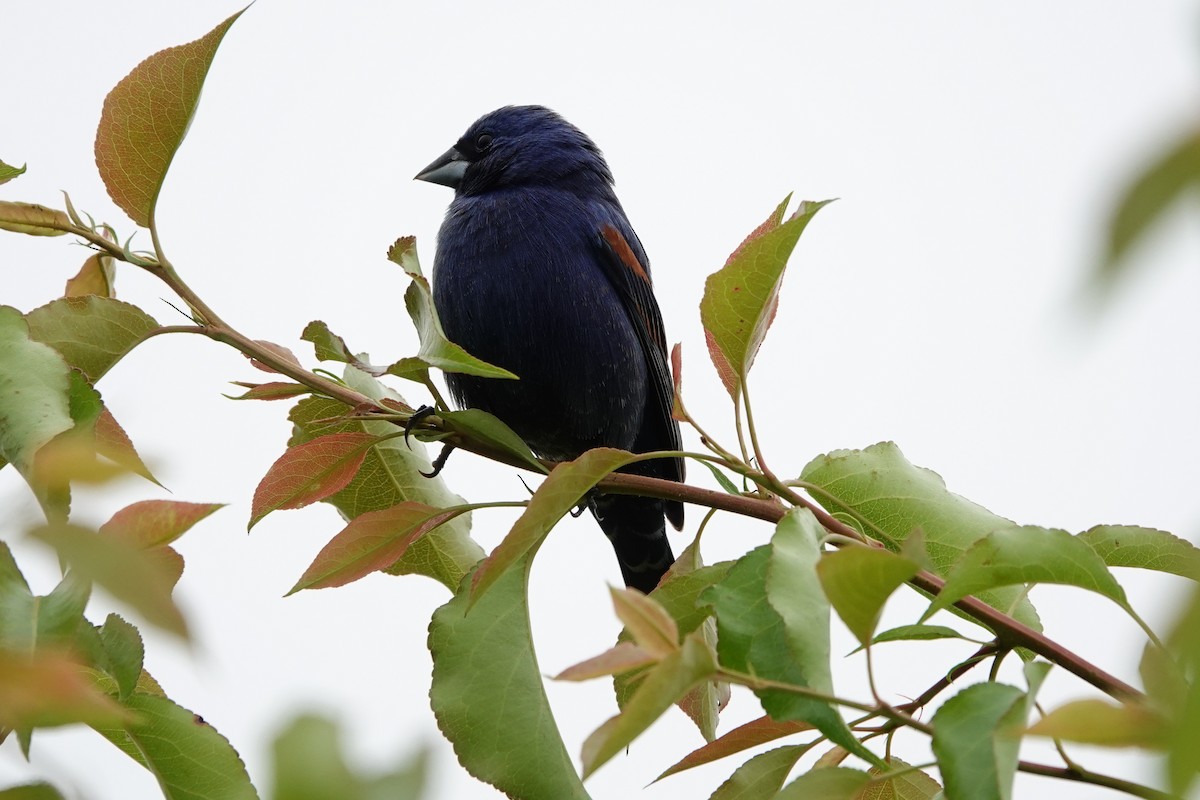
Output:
x=520 y=146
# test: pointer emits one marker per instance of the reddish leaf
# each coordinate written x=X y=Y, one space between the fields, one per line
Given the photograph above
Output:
x=650 y=625
x=741 y=299
x=154 y=523
x=276 y=390
x=96 y=276
x=702 y=701
x=47 y=688
x=145 y=118
x=33 y=219
x=624 y=657
x=371 y=542
x=677 y=410
x=310 y=472
x=279 y=351
x=752 y=734
x=169 y=561
x=113 y=443
x=721 y=363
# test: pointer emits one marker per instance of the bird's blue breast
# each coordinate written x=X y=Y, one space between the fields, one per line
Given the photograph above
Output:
x=517 y=283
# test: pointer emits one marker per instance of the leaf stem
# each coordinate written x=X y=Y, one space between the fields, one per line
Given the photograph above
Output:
x=754 y=682
x=1094 y=778
x=943 y=683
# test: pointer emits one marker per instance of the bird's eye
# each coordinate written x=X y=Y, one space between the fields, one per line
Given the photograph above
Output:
x=483 y=141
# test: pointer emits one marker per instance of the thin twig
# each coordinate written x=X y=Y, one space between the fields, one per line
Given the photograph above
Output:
x=1094 y=778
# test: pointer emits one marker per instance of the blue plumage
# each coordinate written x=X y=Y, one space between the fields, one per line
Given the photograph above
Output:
x=539 y=271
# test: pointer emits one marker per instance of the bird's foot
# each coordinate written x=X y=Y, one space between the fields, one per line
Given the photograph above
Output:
x=420 y=415
x=440 y=461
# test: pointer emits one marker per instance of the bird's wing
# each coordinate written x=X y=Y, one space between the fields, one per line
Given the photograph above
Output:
x=626 y=266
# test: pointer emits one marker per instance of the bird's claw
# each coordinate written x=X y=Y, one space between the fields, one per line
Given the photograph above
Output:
x=440 y=461
x=418 y=416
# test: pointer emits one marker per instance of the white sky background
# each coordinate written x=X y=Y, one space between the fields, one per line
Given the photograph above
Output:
x=976 y=151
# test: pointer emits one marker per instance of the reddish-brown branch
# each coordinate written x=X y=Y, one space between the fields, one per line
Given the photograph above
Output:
x=1009 y=632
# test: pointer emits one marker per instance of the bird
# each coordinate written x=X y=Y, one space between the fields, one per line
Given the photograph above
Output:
x=538 y=270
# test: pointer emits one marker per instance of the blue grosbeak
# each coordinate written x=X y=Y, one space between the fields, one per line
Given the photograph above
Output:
x=539 y=271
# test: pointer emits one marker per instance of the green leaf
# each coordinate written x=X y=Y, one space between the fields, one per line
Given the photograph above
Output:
x=794 y=591
x=33 y=220
x=309 y=472
x=28 y=623
x=679 y=593
x=976 y=736
x=483 y=427
x=564 y=488
x=904 y=633
x=827 y=783
x=8 y=172
x=145 y=118
x=436 y=350
x=127 y=572
x=1144 y=548
x=405 y=782
x=391 y=474
x=752 y=639
x=488 y=697
x=1167 y=179
x=371 y=542
x=31 y=791
x=1027 y=554
x=91 y=332
x=879 y=492
x=328 y=345
x=1102 y=723
x=72 y=455
x=35 y=389
x=741 y=298
x=859 y=580
x=722 y=479
x=188 y=757
x=909 y=784
x=665 y=683
x=275 y=390
x=60 y=613
x=743 y=737
x=761 y=777
x=309 y=763
x=124 y=651
x=1183 y=756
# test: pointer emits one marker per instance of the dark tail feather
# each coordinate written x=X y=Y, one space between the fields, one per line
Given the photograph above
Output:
x=635 y=527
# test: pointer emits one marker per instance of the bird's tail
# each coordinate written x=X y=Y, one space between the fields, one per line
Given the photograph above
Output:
x=636 y=529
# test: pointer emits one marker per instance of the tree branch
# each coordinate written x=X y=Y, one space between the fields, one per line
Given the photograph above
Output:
x=1009 y=632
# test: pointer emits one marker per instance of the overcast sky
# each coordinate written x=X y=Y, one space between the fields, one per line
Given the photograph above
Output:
x=976 y=150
